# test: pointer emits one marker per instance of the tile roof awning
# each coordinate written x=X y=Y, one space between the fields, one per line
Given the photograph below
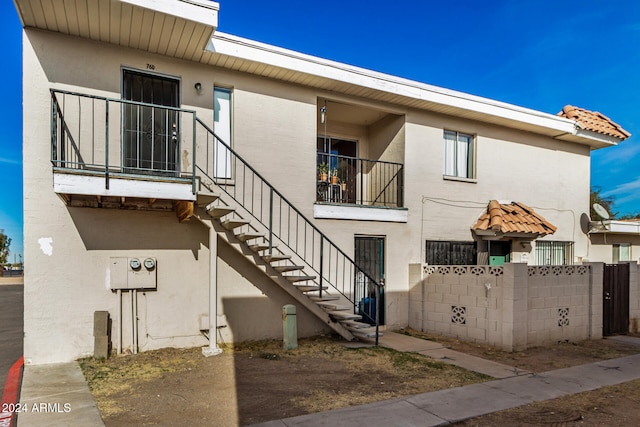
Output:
x=512 y=220
x=594 y=122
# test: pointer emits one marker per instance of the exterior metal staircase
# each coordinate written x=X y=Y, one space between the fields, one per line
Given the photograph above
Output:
x=250 y=239
x=259 y=222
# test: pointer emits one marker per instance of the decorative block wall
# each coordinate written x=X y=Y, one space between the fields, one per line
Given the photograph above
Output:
x=511 y=307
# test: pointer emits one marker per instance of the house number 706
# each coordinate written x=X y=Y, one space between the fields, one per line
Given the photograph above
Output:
x=151 y=67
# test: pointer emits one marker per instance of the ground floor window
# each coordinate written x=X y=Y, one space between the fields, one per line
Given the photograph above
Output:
x=554 y=253
x=443 y=252
x=621 y=252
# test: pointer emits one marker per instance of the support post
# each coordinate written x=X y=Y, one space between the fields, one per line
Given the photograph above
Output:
x=213 y=349
x=289 y=327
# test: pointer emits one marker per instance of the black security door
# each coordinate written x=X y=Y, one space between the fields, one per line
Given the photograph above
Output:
x=150 y=132
x=369 y=255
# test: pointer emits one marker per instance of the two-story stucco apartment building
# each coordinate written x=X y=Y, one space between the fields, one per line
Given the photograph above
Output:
x=192 y=183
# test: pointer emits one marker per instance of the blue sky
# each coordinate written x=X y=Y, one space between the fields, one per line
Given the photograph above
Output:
x=540 y=54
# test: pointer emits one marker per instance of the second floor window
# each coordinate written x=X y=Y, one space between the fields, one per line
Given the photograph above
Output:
x=459 y=155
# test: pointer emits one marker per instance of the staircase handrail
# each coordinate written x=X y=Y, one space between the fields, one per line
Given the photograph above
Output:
x=371 y=281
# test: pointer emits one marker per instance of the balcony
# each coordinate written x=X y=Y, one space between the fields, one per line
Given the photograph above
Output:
x=345 y=182
x=115 y=153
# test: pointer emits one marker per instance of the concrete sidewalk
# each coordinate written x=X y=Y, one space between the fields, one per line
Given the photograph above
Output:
x=452 y=405
x=439 y=352
x=58 y=395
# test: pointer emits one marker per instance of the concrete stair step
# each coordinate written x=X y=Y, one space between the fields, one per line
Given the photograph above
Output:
x=285 y=268
x=309 y=288
x=248 y=236
x=355 y=325
x=230 y=224
x=324 y=298
x=344 y=315
x=205 y=198
x=260 y=246
x=366 y=335
x=299 y=278
x=275 y=257
x=218 y=212
x=328 y=305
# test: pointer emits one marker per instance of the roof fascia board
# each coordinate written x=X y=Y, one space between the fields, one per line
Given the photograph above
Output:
x=199 y=11
x=605 y=140
x=616 y=227
x=250 y=50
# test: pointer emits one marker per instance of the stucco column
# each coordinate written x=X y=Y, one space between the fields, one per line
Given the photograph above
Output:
x=595 y=299
x=213 y=348
x=514 y=307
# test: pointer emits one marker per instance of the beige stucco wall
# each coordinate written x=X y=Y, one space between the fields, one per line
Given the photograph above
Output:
x=547 y=175
x=274 y=129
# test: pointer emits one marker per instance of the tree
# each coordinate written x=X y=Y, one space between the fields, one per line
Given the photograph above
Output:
x=605 y=202
x=5 y=242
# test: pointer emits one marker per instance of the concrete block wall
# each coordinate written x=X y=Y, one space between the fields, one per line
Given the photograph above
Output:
x=512 y=307
x=558 y=304
x=634 y=298
x=459 y=301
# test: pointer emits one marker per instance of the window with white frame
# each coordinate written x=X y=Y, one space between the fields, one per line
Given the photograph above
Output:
x=554 y=253
x=459 y=155
x=621 y=252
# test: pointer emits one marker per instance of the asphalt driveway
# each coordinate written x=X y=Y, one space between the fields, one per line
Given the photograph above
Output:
x=11 y=324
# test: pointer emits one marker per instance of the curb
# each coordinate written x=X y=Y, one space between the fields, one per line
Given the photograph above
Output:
x=10 y=395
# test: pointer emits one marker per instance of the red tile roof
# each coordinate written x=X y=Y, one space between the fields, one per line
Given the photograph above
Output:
x=513 y=218
x=594 y=122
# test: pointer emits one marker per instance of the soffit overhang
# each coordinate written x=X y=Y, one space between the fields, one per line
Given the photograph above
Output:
x=177 y=28
x=248 y=56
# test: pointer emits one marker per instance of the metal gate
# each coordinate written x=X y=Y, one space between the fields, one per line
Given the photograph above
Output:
x=615 y=305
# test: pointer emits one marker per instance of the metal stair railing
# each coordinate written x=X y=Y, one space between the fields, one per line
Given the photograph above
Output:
x=218 y=164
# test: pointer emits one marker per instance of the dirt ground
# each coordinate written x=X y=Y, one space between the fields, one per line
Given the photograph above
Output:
x=258 y=382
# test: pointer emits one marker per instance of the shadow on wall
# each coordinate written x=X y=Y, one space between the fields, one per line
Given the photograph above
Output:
x=254 y=317
x=113 y=229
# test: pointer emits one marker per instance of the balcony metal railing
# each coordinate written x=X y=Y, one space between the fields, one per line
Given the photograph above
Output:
x=287 y=228
x=352 y=180
x=107 y=136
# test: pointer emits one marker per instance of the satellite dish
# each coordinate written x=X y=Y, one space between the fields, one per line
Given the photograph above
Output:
x=600 y=210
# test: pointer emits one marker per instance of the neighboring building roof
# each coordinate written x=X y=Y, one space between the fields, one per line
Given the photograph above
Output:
x=594 y=122
x=617 y=226
x=512 y=218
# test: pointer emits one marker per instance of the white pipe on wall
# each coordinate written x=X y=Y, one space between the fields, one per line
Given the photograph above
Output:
x=135 y=321
x=119 y=345
x=213 y=348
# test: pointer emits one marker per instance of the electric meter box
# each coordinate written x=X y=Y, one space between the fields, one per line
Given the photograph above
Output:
x=133 y=273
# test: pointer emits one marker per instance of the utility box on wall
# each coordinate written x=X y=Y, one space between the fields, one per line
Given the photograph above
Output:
x=133 y=273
